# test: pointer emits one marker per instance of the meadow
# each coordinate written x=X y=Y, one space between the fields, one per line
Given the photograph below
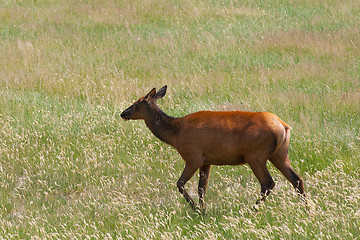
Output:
x=71 y=168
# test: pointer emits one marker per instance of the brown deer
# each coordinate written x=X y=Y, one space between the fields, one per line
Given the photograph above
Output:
x=208 y=138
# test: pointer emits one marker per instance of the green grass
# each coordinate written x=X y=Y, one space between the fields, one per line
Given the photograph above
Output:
x=71 y=168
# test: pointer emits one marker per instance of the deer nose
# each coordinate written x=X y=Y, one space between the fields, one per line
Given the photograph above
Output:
x=126 y=113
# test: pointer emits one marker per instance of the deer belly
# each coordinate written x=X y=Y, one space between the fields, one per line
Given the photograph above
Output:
x=223 y=158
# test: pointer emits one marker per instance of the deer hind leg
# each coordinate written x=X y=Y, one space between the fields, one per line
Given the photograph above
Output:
x=284 y=166
x=203 y=181
x=264 y=177
x=188 y=172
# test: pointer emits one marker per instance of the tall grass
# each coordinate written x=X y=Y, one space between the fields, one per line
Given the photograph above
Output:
x=71 y=168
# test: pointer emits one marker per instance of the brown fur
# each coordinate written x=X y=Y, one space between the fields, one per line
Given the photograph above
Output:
x=220 y=138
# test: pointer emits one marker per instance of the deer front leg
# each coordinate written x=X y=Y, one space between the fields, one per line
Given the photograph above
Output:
x=203 y=181
x=188 y=172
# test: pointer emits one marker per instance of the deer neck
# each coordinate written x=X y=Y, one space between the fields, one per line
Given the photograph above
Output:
x=162 y=126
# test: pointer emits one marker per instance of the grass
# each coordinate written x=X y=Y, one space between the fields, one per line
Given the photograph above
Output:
x=71 y=168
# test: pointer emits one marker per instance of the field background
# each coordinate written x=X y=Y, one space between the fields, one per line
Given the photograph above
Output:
x=71 y=168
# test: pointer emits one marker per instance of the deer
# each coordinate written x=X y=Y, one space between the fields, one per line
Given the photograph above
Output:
x=207 y=138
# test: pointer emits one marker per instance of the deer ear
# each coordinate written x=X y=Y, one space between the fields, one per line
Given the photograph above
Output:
x=161 y=93
x=150 y=95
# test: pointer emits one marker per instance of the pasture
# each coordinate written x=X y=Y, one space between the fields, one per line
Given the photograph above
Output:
x=71 y=168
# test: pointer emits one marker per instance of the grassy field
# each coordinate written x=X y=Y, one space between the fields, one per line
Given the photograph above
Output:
x=70 y=168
